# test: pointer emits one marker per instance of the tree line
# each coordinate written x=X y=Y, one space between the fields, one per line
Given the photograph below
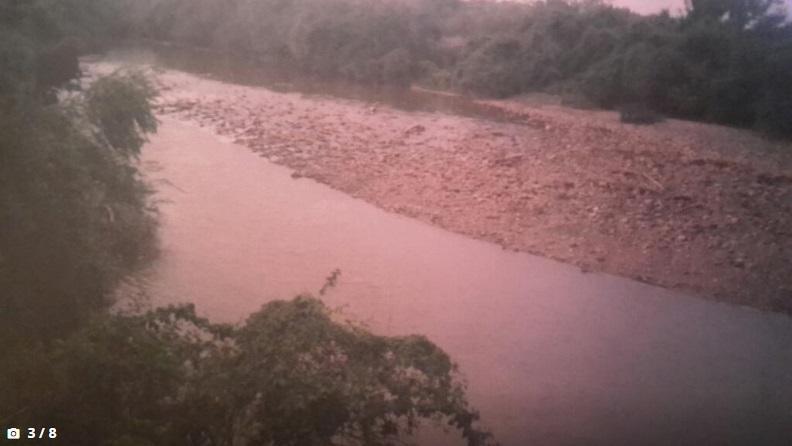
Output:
x=724 y=61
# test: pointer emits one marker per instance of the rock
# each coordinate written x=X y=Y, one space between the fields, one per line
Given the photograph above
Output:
x=415 y=130
x=508 y=161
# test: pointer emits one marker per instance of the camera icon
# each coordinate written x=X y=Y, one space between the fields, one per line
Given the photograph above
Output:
x=12 y=433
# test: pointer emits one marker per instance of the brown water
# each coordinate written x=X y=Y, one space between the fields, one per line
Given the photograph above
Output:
x=553 y=356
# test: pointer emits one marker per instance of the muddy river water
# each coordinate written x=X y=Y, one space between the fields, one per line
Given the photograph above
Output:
x=552 y=355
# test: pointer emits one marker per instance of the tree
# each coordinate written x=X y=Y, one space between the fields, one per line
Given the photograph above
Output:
x=73 y=213
x=290 y=375
x=740 y=13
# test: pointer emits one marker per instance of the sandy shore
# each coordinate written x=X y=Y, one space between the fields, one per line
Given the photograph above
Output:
x=695 y=207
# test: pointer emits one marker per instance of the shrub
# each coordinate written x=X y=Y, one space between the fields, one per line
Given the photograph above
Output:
x=73 y=211
x=289 y=376
x=397 y=67
x=492 y=69
x=638 y=113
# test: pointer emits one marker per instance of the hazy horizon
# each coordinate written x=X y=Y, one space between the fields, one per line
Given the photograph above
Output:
x=650 y=6
x=655 y=6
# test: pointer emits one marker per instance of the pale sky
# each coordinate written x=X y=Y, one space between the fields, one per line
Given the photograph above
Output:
x=652 y=6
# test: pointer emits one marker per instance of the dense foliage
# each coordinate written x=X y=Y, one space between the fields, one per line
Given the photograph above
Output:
x=289 y=376
x=73 y=213
x=725 y=61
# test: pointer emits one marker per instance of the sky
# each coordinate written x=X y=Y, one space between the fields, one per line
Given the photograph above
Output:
x=653 y=6
x=650 y=6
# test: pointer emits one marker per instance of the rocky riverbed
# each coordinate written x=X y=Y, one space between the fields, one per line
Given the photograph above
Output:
x=696 y=207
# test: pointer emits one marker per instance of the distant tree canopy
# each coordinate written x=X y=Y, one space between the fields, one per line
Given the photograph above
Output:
x=739 y=13
x=725 y=61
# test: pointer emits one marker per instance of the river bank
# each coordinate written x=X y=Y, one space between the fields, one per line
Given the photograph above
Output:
x=694 y=207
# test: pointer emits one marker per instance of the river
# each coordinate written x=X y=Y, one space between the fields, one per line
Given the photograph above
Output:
x=553 y=356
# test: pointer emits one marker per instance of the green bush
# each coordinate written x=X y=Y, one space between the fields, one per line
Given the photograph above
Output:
x=638 y=113
x=73 y=212
x=397 y=67
x=290 y=375
x=493 y=69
